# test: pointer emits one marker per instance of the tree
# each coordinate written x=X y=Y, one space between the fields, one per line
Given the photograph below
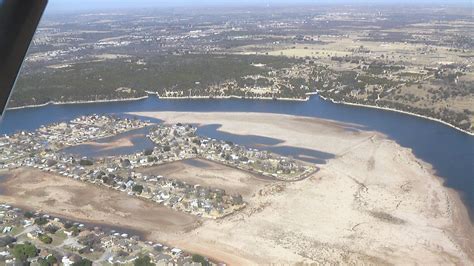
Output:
x=197 y=141
x=41 y=221
x=151 y=159
x=85 y=162
x=45 y=239
x=75 y=230
x=28 y=215
x=52 y=229
x=68 y=225
x=24 y=251
x=200 y=259
x=82 y=262
x=143 y=261
x=138 y=189
x=49 y=260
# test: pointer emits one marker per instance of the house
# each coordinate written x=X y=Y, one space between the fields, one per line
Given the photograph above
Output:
x=158 y=247
x=176 y=251
x=34 y=234
x=163 y=258
x=66 y=261
x=27 y=223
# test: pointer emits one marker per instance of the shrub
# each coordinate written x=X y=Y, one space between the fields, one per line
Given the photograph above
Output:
x=45 y=239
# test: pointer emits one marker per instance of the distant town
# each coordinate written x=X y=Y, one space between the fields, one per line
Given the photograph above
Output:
x=412 y=60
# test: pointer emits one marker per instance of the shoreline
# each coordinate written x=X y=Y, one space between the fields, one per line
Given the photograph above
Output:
x=232 y=97
x=309 y=94
x=225 y=97
x=77 y=102
x=463 y=224
x=397 y=111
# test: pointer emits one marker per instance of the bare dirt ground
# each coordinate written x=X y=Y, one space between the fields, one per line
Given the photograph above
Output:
x=207 y=173
x=375 y=203
x=118 y=143
x=65 y=197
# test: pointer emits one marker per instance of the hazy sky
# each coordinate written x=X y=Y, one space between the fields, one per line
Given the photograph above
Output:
x=71 y=5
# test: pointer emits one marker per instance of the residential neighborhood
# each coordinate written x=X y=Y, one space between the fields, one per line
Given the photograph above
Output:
x=41 y=239
x=44 y=149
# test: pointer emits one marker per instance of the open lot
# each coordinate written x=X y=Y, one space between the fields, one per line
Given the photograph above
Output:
x=64 y=197
x=207 y=173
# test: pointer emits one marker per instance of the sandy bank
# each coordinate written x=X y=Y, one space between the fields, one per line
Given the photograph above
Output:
x=374 y=202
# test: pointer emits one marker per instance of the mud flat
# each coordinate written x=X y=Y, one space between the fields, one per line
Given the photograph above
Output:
x=124 y=142
x=373 y=203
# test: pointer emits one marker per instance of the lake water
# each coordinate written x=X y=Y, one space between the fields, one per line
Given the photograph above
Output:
x=265 y=143
x=449 y=151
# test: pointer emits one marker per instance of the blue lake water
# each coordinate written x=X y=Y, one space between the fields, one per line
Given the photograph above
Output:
x=265 y=143
x=449 y=151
